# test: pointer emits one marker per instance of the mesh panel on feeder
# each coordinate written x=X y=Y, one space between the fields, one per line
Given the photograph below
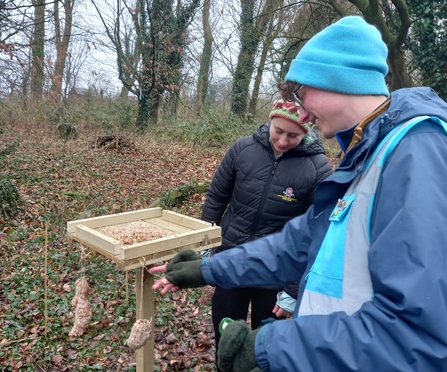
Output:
x=83 y=308
x=139 y=334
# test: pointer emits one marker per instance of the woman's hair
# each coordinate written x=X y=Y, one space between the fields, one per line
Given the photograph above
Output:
x=286 y=88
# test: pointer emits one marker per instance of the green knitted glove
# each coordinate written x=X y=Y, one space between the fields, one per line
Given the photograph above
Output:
x=184 y=270
x=236 y=351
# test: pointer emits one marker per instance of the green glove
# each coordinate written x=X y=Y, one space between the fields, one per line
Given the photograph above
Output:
x=236 y=351
x=184 y=270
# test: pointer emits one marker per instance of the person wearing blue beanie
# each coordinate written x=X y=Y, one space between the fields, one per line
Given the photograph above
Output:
x=346 y=57
x=345 y=64
x=370 y=254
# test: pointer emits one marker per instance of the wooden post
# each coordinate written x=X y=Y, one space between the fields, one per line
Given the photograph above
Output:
x=190 y=233
x=145 y=354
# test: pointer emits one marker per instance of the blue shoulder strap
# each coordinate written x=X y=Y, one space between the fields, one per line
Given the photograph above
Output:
x=394 y=137
x=392 y=140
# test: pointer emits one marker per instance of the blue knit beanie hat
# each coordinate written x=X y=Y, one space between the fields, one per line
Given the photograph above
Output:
x=348 y=56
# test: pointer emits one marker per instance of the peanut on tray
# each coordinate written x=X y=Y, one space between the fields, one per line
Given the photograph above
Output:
x=135 y=232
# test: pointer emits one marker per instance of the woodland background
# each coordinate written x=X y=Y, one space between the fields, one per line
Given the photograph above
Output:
x=169 y=57
x=108 y=107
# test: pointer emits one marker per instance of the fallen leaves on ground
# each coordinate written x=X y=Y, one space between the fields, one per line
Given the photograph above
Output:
x=63 y=181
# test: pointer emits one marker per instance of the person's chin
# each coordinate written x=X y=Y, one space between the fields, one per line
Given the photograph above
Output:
x=279 y=149
x=325 y=133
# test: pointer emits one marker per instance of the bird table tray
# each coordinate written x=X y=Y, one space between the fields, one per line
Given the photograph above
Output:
x=148 y=235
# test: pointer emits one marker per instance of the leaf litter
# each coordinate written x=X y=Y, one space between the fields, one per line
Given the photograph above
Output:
x=62 y=181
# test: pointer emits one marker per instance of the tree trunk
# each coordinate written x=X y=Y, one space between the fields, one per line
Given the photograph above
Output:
x=124 y=92
x=156 y=62
x=398 y=76
x=251 y=33
x=260 y=71
x=244 y=68
x=173 y=47
x=154 y=108
x=270 y=35
x=38 y=49
x=205 y=60
x=62 y=42
x=144 y=106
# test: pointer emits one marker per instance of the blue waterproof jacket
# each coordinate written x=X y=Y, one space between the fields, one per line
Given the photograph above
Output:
x=404 y=326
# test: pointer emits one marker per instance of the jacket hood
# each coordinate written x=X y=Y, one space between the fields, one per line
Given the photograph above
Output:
x=406 y=104
x=311 y=144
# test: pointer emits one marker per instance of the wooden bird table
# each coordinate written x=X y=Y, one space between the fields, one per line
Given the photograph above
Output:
x=184 y=233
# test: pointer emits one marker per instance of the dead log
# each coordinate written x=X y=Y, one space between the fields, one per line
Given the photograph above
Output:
x=114 y=142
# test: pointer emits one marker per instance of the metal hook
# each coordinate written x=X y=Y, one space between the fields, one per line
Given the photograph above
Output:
x=142 y=261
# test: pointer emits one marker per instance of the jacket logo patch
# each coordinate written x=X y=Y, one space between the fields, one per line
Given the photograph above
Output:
x=288 y=192
x=341 y=208
x=287 y=195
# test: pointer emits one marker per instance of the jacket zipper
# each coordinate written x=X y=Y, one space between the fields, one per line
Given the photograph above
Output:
x=261 y=204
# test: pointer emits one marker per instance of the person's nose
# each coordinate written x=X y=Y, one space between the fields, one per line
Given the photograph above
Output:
x=283 y=140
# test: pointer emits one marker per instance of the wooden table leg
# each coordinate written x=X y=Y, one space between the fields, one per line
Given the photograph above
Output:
x=145 y=354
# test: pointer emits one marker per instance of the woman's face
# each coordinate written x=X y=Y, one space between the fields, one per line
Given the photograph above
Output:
x=284 y=134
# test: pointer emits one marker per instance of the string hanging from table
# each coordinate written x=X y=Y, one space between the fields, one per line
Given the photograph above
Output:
x=141 y=330
x=80 y=302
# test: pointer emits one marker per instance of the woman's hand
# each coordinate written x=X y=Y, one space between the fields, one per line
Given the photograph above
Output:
x=280 y=312
x=285 y=305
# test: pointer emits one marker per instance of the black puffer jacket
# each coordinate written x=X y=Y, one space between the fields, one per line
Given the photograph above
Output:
x=252 y=194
